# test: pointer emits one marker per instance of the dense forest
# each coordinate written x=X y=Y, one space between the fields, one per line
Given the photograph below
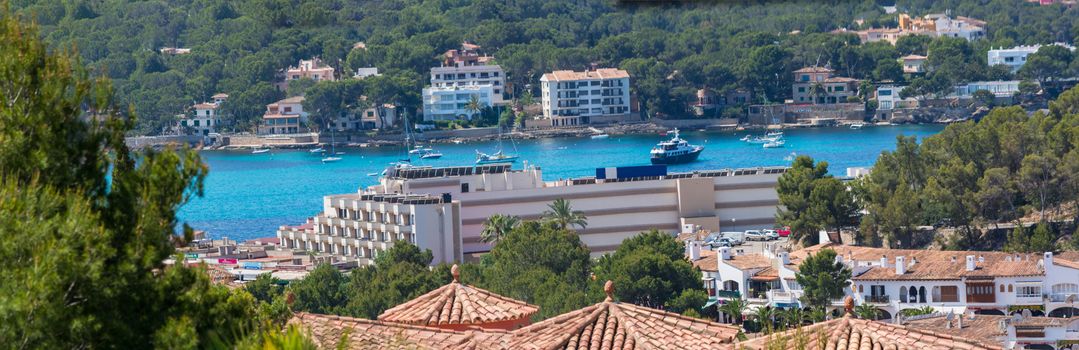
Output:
x=669 y=49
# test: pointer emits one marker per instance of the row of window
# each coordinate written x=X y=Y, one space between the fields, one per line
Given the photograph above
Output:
x=577 y=84
x=196 y=122
x=363 y=234
x=369 y=216
x=481 y=75
x=975 y=291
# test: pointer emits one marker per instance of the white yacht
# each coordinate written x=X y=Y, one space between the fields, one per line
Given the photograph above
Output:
x=675 y=151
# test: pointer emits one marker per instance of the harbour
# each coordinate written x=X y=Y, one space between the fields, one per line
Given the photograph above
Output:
x=251 y=195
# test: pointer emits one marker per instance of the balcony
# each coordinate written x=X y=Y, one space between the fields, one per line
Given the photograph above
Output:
x=1028 y=299
x=777 y=296
x=729 y=294
x=876 y=299
x=1063 y=297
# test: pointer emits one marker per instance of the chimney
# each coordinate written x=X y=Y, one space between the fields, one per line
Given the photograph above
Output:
x=785 y=258
x=724 y=253
x=824 y=238
x=900 y=265
x=970 y=263
x=981 y=259
x=959 y=322
x=883 y=261
x=839 y=259
x=953 y=259
x=694 y=250
x=1047 y=259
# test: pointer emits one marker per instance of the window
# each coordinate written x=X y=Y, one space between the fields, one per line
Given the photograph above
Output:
x=1063 y=288
x=839 y=89
x=801 y=89
x=196 y=122
x=861 y=289
x=1002 y=288
x=805 y=77
x=1029 y=291
x=902 y=294
x=464 y=188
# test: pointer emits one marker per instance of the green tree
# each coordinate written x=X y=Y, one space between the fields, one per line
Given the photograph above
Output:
x=399 y=274
x=1050 y=62
x=734 y=309
x=543 y=264
x=650 y=269
x=264 y=288
x=811 y=200
x=473 y=106
x=321 y=291
x=985 y=98
x=866 y=311
x=498 y=225
x=88 y=223
x=888 y=69
x=564 y=216
x=822 y=278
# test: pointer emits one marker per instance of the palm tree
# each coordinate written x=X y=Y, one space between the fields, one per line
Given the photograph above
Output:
x=795 y=317
x=734 y=309
x=562 y=214
x=765 y=317
x=866 y=312
x=816 y=90
x=498 y=225
x=474 y=106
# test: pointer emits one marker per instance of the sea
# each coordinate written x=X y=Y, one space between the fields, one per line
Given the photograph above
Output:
x=250 y=195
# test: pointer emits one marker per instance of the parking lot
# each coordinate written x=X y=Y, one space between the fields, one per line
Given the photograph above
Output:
x=752 y=247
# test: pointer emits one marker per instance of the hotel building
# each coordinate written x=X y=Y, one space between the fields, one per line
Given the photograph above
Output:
x=834 y=89
x=284 y=117
x=443 y=209
x=589 y=97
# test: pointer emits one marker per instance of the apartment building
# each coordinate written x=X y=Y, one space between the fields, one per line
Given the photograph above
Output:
x=984 y=283
x=581 y=98
x=617 y=208
x=1016 y=57
x=934 y=25
x=832 y=89
x=454 y=102
x=284 y=117
x=464 y=74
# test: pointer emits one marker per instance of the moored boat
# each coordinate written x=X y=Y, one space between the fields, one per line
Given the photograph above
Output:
x=675 y=151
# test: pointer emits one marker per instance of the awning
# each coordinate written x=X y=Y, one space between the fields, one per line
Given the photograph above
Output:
x=711 y=301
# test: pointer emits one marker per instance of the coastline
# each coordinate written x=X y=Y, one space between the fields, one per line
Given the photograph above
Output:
x=397 y=140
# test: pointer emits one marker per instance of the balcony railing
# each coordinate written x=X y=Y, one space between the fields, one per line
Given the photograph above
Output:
x=733 y=294
x=1028 y=299
x=883 y=299
x=782 y=297
x=1062 y=297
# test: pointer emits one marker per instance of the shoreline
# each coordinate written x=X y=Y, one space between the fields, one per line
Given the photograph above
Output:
x=551 y=133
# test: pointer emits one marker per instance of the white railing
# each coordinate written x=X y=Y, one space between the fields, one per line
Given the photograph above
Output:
x=1028 y=299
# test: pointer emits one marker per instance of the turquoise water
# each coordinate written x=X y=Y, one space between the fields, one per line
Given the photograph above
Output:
x=251 y=195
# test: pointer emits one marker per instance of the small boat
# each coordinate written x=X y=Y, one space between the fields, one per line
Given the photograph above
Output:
x=372 y=174
x=600 y=136
x=774 y=144
x=340 y=153
x=431 y=154
x=857 y=126
x=330 y=159
x=675 y=151
x=419 y=150
x=497 y=157
x=260 y=150
x=317 y=150
x=746 y=138
x=775 y=134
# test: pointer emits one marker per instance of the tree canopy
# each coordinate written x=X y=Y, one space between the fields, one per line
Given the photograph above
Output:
x=822 y=278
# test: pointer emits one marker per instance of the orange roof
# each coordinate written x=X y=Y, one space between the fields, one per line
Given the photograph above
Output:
x=457 y=303
x=327 y=331
x=749 y=261
x=913 y=57
x=983 y=327
x=708 y=261
x=946 y=270
x=614 y=325
x=933 y=264
x=814 y=70
x=839 y=80
x=602 y=73
x=850 y=333
x=201 y=106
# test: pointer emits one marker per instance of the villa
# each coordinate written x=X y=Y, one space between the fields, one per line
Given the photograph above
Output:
x=284 y=117
x=595 y=96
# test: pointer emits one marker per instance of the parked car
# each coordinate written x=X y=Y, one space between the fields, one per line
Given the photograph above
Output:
x=737 y=238
x=755 y=235
x=784 y=232
x=772 y=234
x=720 y=242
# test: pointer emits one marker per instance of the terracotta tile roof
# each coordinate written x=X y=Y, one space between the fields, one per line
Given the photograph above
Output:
x=327 y=331
x=708 y=261
x=874 y=254
x=814 y=70
x=1066 y=263
x=982 y=327
x=749 y=261
x=946 y=270
x=458 y=304
x=602 y=73
x=202 y=106
x=913 y=57
x=612 y=325
x=850 y=333
x=294 y=99
x=839 y=80
x=768 y=274
x=1041 y=321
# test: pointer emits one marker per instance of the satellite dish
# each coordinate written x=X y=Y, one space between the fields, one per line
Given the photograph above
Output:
x=1026 y=313
x=1070 y=299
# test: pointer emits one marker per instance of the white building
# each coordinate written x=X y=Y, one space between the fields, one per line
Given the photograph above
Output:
x=913 y=64
x=581 y=98
x=1017 y=56
x=452 y=102
x=990 y=283
x=366 y=72
x=206 y=117
x=284 y=117
x=1000 y=88
x=616 y=208
x=464 y=74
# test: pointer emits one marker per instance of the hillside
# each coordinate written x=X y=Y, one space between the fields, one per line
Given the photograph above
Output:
x=671 y=50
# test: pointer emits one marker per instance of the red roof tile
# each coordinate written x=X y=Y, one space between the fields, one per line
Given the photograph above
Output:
x=850 y=333
x=457 y=303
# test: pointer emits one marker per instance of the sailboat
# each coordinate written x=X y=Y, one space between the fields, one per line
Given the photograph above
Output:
x=260 y=150
x=499 y=156
x=333 y=149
